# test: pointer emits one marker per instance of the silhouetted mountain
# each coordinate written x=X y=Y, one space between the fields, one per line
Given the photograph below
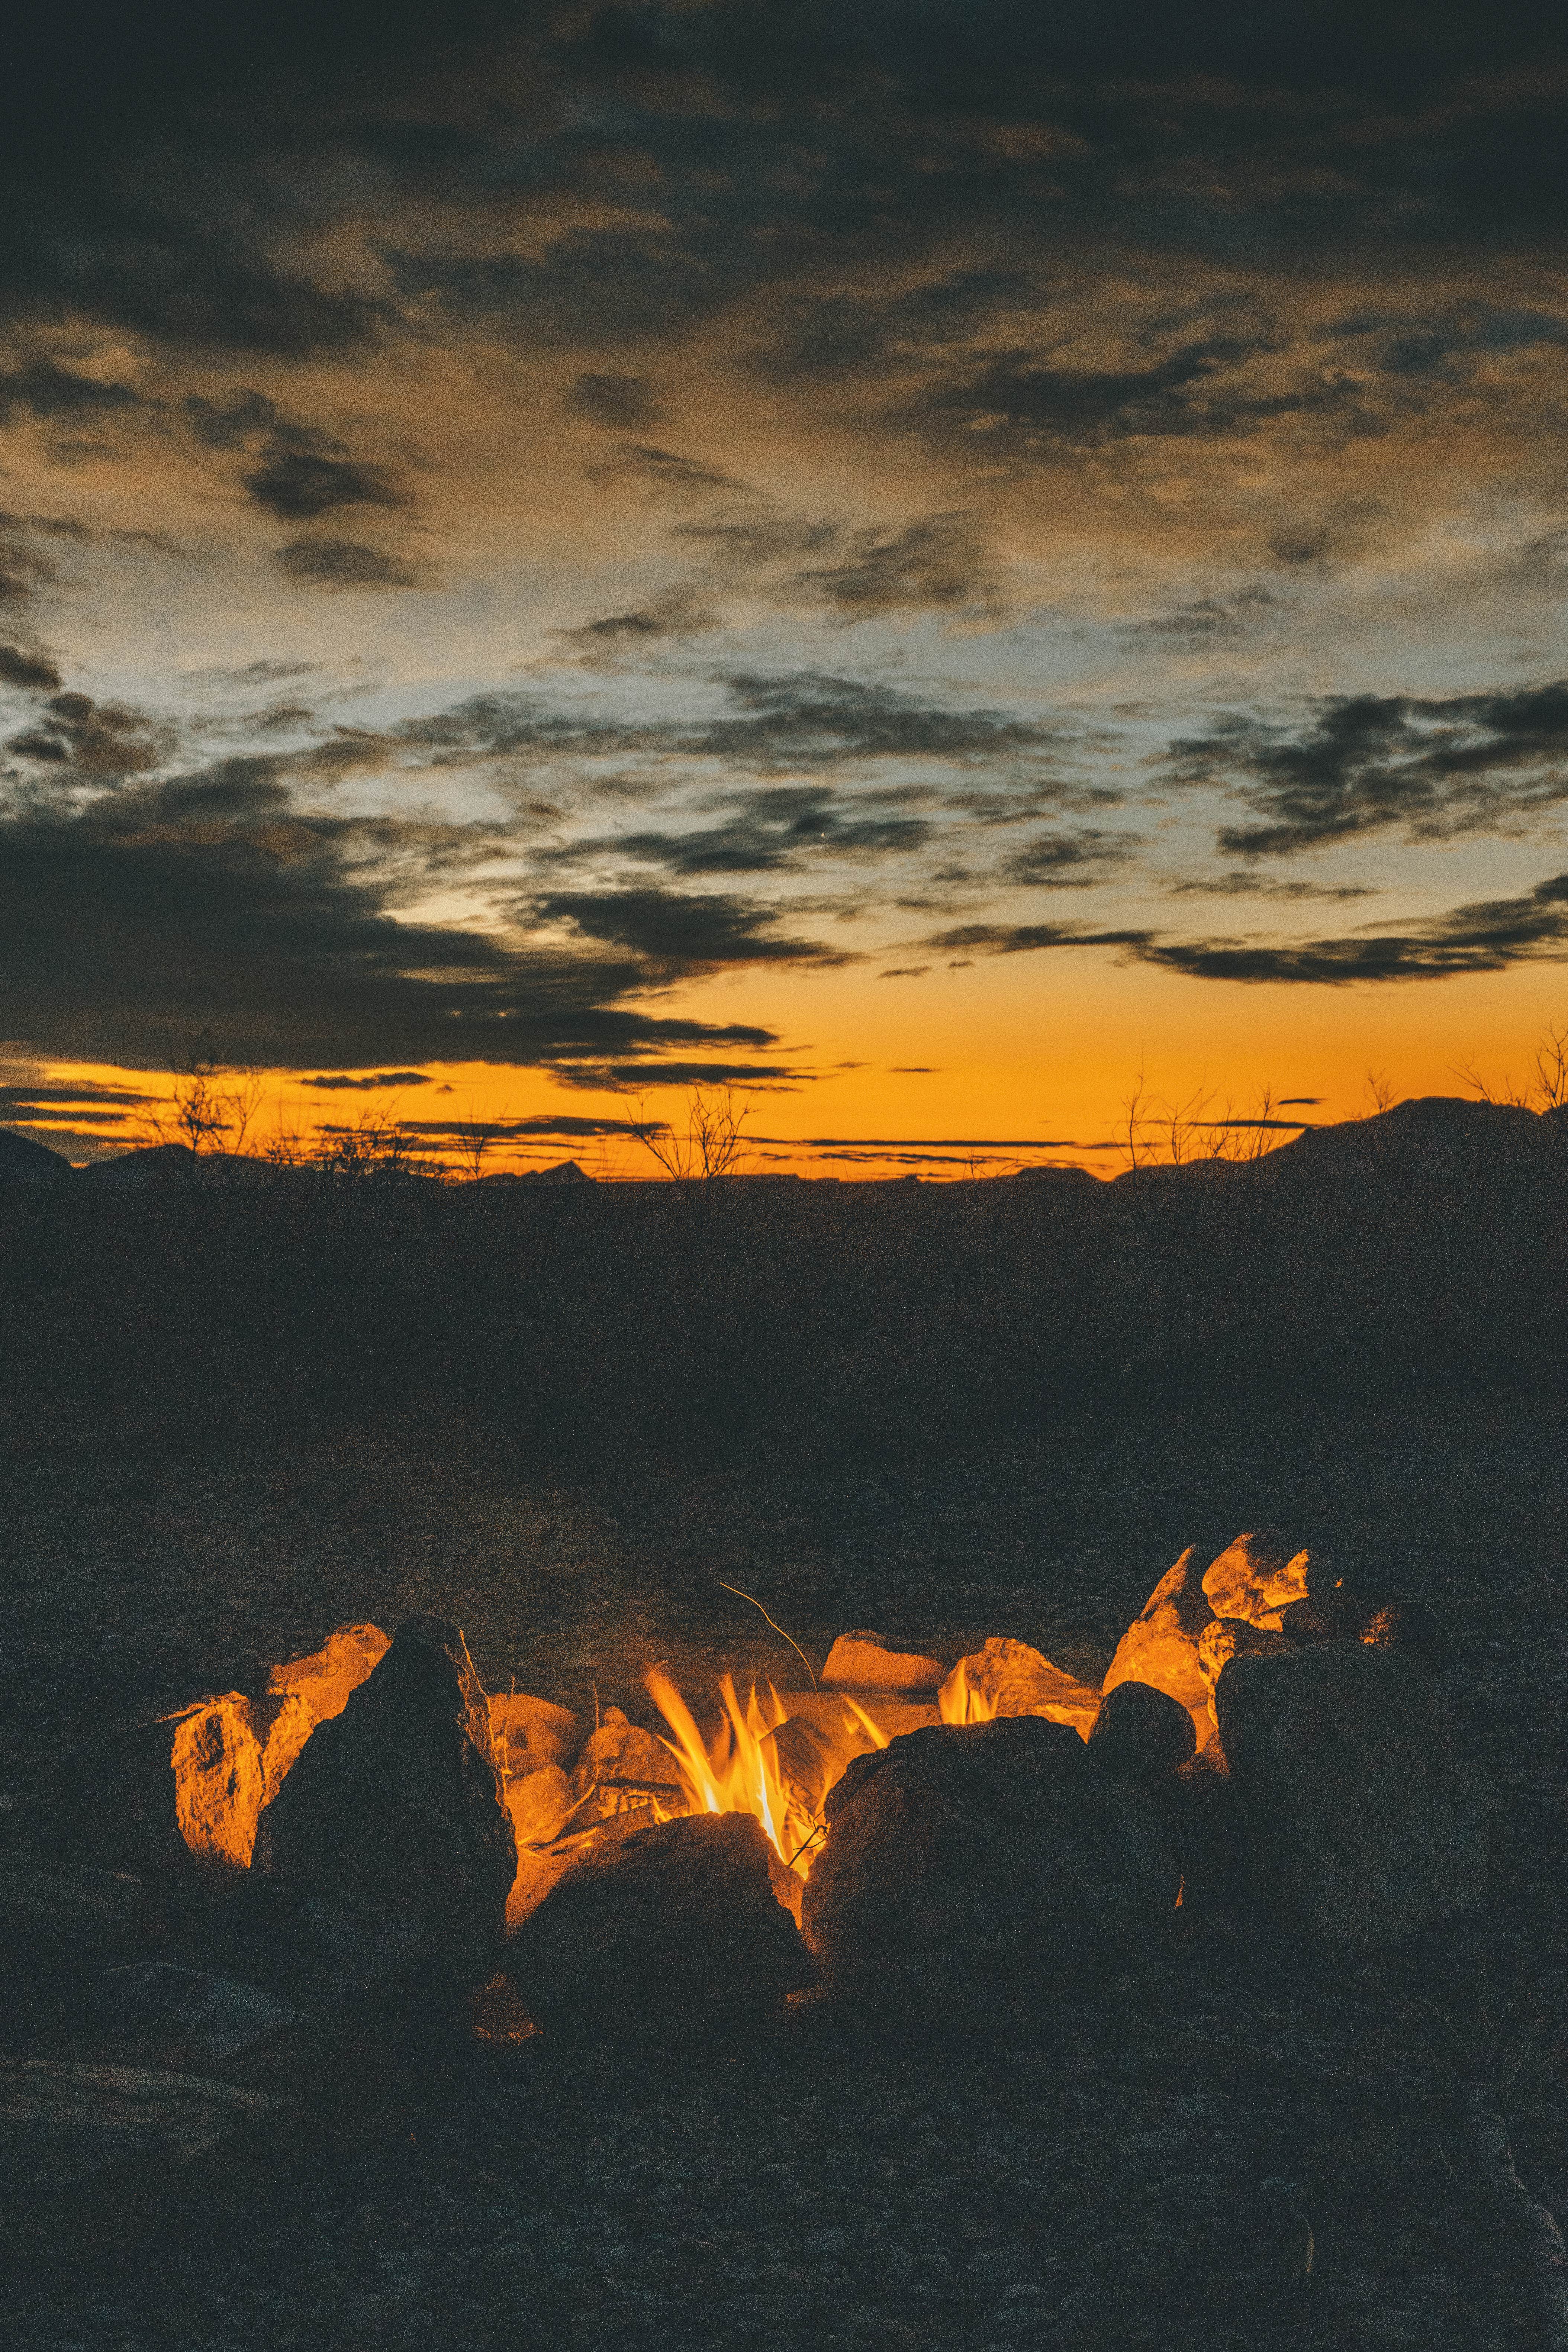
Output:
x=565 y=1171
x=23 y=1162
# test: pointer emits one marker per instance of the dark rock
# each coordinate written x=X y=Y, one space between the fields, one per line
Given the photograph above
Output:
x=1384 y=1623
x=1361 y=1823
x=60 y=1926
x=675 y=1932
x=1202 y=1826
x=1232 y=1637
x=214 y=2016
x=966 y=1864
x=98 y=2160
x=395 y=1803
x=1143 y=1734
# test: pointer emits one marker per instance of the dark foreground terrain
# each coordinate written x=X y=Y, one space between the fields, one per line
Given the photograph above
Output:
x=825 y=2189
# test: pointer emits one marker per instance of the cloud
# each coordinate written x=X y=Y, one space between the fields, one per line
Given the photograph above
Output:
x=1433 y=768
x=98 y=741
x=1252 y=885
x=1488 y=936
x=677 y=933
x=1067 y=861
x=298 y=485
x=28 y=670
x=775 y=829
x=936 y=563
x=344 y=563
x=47 y=391
x=615 y=400
x=340 y=1082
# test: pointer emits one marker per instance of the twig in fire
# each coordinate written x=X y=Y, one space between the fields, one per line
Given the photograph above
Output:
x=794 y=1646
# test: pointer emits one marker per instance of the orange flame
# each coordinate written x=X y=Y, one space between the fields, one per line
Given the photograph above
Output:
x=737 y=1772
x=960 y=1702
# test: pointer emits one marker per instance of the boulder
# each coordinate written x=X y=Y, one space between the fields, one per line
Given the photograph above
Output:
x=968 y=1866
x=1362 y=1825
x=675 y=1933
x=1161 y=1647
x=529 y=1733
x=98 y=2160
x=395 y=1801
x=324 y=1678
x=282 y=1723
x=539 y=1804
x=864 y=1662
x=170 y=1800
x=211 y=2016
x=1254 y=1578
x=1346 y=1616
x=1143 y=1734
x=1009 y=1678
x=1224 y=1638
x=1198 y=1809
x=61 y=1926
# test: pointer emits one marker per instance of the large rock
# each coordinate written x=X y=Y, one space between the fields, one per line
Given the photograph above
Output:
x=675 y=1932
x=531 y=1733
x=622 y=1770
x=1254 y=1578
x=99 y=2160
x=1143 y=1734
x=1362 y=1825
x=395 y=1803
x=212 y=2017
x=971 y=1865
x=1161 y=1647
x=61 y=1926
x=1009 y=1678
x=1225 y=1638
x=1384 y=1623
x=166 y=1799
x=864 y=1662
x=326 y=1678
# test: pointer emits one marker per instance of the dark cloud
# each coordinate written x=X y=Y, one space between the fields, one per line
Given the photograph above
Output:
x=677 y=933
x=44 y=390
x=340 y=1082
x=1487 y=937
x=29 y=670
x=231 y=424
x=1207 y=619
x=1020 y=939
x=635 y=1077
x=344 y=563
x=1253 y=884
x=1435 y=768
x=772 y=830
x=299 y=484
x=1067 y=861
x=618 y=400
x=98 y=741
x=936 y=563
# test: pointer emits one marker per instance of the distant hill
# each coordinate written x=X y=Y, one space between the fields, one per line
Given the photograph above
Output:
x=565 y=1171
x=176 y=1163
x=23 y=1162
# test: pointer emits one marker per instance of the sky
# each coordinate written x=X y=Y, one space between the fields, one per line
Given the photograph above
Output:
x=936 y=564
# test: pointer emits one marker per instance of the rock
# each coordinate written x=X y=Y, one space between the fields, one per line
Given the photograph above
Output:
x=1143 y=1734
x=529 y=1733
x=1225 y=1638
x=1254 y=1578
x=60 y=1926
x=282 y=1724
x=676 y=1933
x=965 y=1866
x=809 y=1759
x=97 y=2160
x=1202 y=1825
x=1161 y=1647
x=395 y=1801
x=1340 y=1616
x=1009 y=1678
x=864 y=1662
x=168 y=1800
x=214 y=2017
x=539 y=1804
x=1361 y=1823
x=325 y=1677
x=625 y=1768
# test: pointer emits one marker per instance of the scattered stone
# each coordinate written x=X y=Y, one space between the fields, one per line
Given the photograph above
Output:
x=675 y=1933
x=164 y=1801
x=1383 y=1623
x=1361 y=1823
x=98 y=2158
x=1141 y=1733
x=325 y=1678
x=539 y=1804
x=968 y=1864
x=1009 y=1678
x=529 y=1733
x=1161 y=1647
x=864 y=1662
x=215 y=2017
x=60 y=1926
x=395 y=1801
x=1232 y=1637
x=1254 y=1578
